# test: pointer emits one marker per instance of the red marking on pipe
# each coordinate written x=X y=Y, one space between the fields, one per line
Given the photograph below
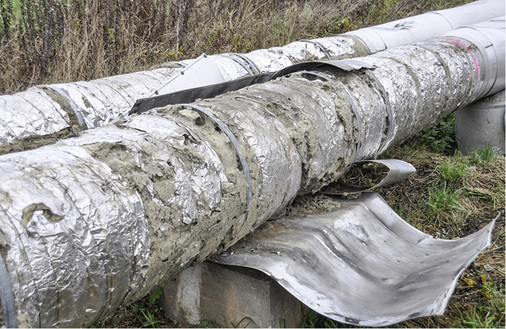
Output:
x=470 y=53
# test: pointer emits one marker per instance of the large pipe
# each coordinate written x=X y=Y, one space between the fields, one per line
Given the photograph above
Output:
x=98 y=220
x=61 y=110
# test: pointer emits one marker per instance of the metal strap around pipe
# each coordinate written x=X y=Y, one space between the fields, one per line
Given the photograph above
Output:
x=354 y=109
x=235 y=143
x=7 y=297
x=252 y=65
x=241 y=63
x=323 y=49
x=389 y=111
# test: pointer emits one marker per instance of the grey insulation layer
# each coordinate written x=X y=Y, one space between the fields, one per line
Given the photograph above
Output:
x=98 y=220
x=99 y=102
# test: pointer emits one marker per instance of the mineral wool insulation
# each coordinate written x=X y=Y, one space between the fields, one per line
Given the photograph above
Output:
x=97 y=221
x=46 y=113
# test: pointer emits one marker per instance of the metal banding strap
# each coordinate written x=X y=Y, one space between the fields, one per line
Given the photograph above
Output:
x=255 y=69
x=389 y=111
x=235 y=143
x=323 y=49
x=354 y=109
x=359 y=126
x=241 y=63
x=7 y=297
x=73 y=105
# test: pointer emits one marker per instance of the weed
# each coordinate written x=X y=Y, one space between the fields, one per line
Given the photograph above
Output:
x=453 y=172
x=489 y=314
x=149 y=319
x=483 y=155
x=154 y=297
x=443 y=198
x=440 y=137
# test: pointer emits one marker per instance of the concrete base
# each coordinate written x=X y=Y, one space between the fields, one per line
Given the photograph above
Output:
x=481 y=124
x=230 y=296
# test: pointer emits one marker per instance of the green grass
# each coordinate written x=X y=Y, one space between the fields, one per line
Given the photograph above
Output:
x=440 y=137
x=453 y=172
x=490 y=313
x=443 y=198
x=483 y=155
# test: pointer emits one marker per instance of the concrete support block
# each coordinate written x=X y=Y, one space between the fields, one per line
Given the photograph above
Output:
x=230 y=296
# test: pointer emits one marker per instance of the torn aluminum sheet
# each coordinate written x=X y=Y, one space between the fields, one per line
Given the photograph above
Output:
x=360 y=264
x=398 y=170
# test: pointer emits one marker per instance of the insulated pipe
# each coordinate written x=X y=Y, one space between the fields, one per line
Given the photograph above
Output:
x=61 y=110
x=97 y=221
x=422 y=27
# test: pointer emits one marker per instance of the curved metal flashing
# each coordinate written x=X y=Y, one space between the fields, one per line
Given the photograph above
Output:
x=360 y=264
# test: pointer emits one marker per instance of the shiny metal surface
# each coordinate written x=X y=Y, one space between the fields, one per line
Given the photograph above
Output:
x=427 y=25
x=398 y=170
x=200 y=72
x=99 y=220
x=360 y=264
x=73 y=247
x=481 y=124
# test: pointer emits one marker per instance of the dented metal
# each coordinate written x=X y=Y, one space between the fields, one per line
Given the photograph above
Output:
x=398 y=170
x=360 y=264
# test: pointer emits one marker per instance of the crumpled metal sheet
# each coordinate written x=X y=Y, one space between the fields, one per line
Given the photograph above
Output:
x=30 y=113
x=104 y=100
x=270 y=144
x=70 y=234
x=360 y=264
x=200 y=72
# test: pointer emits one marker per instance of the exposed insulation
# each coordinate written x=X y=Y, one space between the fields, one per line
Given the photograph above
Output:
x=99 y=220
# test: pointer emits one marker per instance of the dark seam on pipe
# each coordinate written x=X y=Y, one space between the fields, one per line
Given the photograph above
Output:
x=43 y=94
x=389 y=111
x=223 y=126
x=323 y=49
x=7 y=297
x=253 y=66
x=73 y=105
x=7 y=127
x=465 y=73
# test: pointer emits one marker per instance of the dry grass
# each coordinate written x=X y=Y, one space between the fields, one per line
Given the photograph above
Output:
x=479 y=198
x=49 y=41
